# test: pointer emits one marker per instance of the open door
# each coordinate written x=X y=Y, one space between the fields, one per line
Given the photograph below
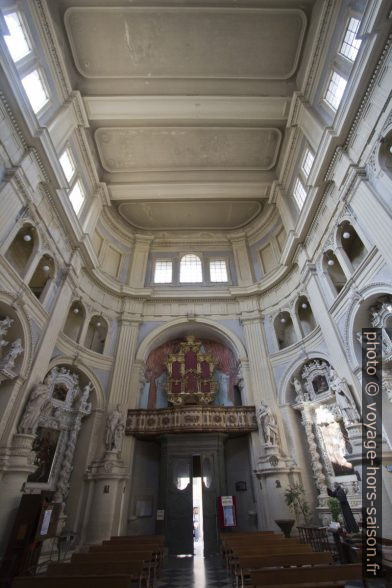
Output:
x=180 y=506
x=209 y=489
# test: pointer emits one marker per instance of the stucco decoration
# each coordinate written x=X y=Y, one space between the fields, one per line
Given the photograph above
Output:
x=14 y=350
x=54 y=414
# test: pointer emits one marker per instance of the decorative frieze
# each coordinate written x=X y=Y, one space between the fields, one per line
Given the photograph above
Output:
x=192 y=419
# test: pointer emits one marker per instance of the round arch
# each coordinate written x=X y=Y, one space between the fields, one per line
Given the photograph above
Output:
x=292 y=368
x=375 y=289
x=180 y=327
x=71 y=363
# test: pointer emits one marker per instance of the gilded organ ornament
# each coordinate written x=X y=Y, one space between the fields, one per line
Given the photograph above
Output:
x=190 y=375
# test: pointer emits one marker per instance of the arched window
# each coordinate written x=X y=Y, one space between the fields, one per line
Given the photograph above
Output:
x=96 y=334
x=190 y=269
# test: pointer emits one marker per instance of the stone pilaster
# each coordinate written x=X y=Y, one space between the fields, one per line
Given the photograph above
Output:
x=242 y=263
x=16 y=463
x=336 y=349
x=141 y=250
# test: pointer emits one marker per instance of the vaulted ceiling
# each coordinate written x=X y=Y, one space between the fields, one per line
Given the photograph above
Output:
x=187 y=105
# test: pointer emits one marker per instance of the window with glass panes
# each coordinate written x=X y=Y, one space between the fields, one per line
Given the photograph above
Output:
x=218 y=270
x=337 y=85
x=190 y=269
x=163 y=271
x=350 y=45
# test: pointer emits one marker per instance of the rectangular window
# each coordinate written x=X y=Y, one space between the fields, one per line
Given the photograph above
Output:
x=67 y=163
x=336 y=87
x=307 y=162
x=218 y=270
x=17 y=41
x=35 y=90
x=350 y=45
x=77 y=196
x=163 y=273
x=299 y=193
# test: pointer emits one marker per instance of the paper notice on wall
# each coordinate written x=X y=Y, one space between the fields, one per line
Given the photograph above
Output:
x=160 y=515
x=46 y=522
x=227 y=501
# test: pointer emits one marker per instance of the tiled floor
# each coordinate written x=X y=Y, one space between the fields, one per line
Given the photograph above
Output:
x=194 y=572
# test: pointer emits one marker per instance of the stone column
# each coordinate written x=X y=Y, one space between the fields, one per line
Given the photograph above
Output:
x=344 y=261
x=109 y=476
x=272 y=463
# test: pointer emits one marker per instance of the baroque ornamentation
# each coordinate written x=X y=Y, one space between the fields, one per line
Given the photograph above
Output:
x=15 y=349
x=55 y=409
x=197 y=418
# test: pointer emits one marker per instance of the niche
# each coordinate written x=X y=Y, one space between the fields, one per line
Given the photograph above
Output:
x=334 y=270
x=305 y=316
x=96 y=334
x=75 y=319
x=42 y=277
x=284 y=330
x=352 y=244
x=21 y=249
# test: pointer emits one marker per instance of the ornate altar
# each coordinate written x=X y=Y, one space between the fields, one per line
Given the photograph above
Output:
x=190 y=375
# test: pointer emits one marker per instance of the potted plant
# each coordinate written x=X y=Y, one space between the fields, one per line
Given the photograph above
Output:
x=334 y=507
x=297 y=503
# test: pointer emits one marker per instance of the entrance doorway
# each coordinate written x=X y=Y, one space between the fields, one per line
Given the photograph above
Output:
x=192 y=477
x=197 y=501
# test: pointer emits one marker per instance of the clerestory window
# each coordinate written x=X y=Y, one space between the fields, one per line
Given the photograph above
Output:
x=191 y=269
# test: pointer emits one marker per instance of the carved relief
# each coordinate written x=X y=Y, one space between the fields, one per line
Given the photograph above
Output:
x=15 y=349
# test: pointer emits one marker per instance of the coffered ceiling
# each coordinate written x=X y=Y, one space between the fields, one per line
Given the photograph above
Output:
x=187 y=105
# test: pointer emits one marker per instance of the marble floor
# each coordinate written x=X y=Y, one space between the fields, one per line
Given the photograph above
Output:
x=194 y=572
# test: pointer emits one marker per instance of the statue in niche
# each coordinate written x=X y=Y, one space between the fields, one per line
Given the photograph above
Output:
x=115 y=427
x=35 y=407
x=268 y=424
x=8 y=362
x=344 y=400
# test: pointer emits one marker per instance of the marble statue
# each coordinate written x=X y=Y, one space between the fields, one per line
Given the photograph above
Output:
x=344 y=400
x=36 y=404
x=84 y=404
x=8 y=362
x=114 y=421
x=269 y=424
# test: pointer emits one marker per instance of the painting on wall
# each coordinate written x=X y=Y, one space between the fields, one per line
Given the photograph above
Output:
x=44 y=445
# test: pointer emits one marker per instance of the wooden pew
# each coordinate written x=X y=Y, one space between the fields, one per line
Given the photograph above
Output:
x=135 y=570
x=72 y=582
x=265 y=550
x=314 y=576
x=110 y=558
x=248 y=564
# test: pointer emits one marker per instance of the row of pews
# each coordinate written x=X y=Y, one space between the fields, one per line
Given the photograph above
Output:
x=121 y=562
x=266 y=559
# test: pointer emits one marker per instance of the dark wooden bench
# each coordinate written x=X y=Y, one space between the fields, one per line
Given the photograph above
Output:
x=248 y=564
x=135 y=570
x=113 y=581
x=305 y=575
